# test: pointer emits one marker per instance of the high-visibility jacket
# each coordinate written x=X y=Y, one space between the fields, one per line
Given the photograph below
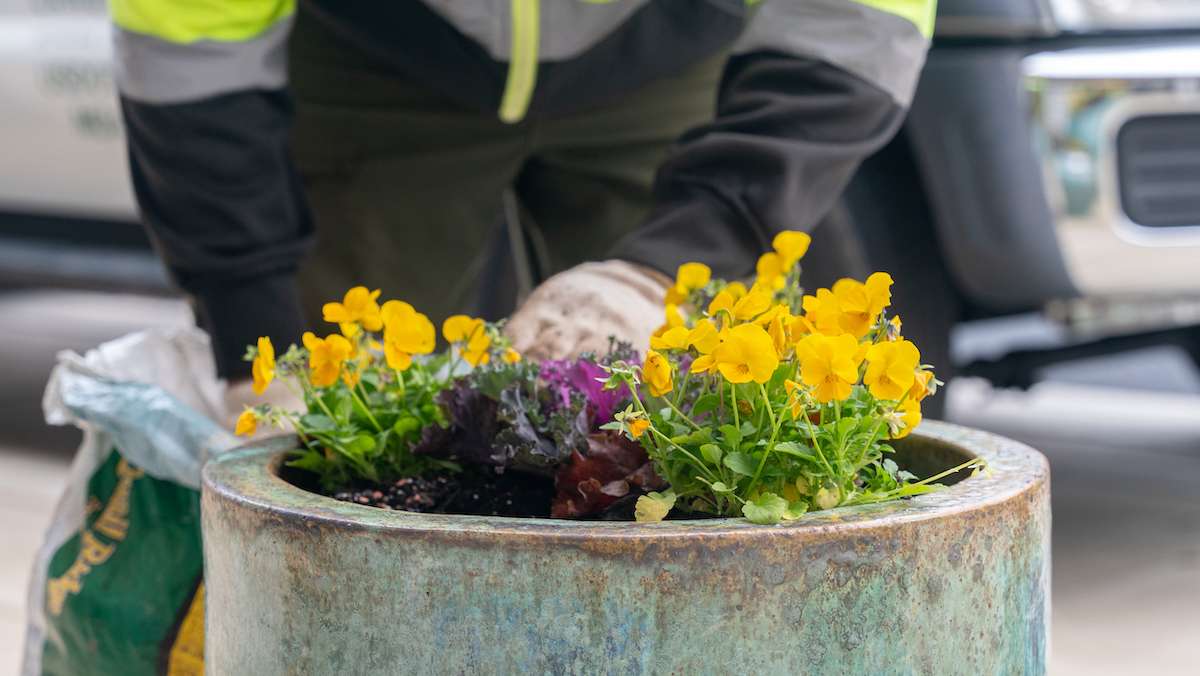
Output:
x=811 y=87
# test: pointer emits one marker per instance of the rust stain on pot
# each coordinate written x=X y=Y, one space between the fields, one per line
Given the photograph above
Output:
x=952 y=582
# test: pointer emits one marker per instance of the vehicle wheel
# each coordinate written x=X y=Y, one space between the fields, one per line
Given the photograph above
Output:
x=882 y=223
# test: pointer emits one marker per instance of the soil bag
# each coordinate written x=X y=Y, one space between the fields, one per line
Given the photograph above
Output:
x=117 y=586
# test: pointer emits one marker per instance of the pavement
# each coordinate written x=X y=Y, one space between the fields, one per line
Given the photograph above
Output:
x=1122 y=436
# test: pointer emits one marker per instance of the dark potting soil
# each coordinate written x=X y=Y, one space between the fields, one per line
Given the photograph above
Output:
x=478 y=491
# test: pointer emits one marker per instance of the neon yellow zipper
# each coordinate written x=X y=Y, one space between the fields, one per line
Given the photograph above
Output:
x=522 y=60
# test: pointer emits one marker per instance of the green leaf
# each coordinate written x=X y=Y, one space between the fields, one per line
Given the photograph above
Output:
x=407 y=425
x=612 y=426
x=748 y=429
x=309 y=460
x=316 y=422
x=908 y=490
x=795 y=510
x=361 y=445
x=720 y=487
x=795 y=449
x=712 y=453
x=708 y=402
x=732 y=435
x=344 y=407
x=741 y=463
x=653 y=506
x=665 y=413
x=767 y=508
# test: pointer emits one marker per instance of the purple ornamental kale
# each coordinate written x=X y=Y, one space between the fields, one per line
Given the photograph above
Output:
x=582 y=376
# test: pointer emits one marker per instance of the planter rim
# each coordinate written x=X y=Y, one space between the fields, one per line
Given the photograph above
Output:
x=246 y=476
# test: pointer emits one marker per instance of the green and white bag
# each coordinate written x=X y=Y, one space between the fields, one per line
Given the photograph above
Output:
x=117 y=586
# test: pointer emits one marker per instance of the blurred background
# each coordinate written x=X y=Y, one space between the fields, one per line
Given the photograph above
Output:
x=1040 y=211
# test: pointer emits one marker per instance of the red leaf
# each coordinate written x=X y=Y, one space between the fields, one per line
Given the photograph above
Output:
x=612 y=468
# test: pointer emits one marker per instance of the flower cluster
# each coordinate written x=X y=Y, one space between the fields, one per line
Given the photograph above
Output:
x=766 y=402
x=371 y=388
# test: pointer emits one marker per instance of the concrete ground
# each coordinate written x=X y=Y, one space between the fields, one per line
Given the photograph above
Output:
x=1125 y=463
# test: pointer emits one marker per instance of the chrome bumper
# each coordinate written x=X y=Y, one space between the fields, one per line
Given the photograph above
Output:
x=1080 y=103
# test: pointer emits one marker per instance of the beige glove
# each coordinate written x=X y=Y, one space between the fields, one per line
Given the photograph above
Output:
x=240 y=395
x=577 y=310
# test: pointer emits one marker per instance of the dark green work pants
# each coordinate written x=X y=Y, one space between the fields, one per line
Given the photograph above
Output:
x=406 y=187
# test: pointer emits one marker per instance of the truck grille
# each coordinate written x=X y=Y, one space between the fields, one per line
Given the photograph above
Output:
x=1158 y=162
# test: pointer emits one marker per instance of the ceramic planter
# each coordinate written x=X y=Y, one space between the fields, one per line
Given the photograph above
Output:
x=952 y=582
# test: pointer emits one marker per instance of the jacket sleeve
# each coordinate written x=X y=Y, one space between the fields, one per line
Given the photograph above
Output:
x=812 y=89
x=206 y=119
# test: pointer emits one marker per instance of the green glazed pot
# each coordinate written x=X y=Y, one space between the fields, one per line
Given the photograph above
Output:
x=954 y=582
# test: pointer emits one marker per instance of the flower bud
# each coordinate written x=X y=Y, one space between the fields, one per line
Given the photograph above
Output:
x=828 y=497
x=802 y=486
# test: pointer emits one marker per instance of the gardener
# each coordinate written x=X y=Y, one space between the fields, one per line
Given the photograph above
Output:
x=642 y=133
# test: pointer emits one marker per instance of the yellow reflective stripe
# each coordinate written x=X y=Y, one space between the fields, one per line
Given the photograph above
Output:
x=186 y=21
x=522 y=60
x=920 y=12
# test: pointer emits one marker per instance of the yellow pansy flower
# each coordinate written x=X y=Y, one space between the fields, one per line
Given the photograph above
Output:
x=829 y=364
x=795 y=397
x=705 y=363
x=688 y=278
x=704 y=337
x=656 y=373
x=674 y=338
x=263 y=367
x=799 y=326
x=771 y=272
x=477 y=349
x=638 y=427
x=247 y=423
x=891 y=368
x=692 y=276
x=673 y=316
x=671 y=319
x=511 y=356
x=791 y=245
x=357 y=309
x=746 y=353
x=723 y=301
x=910 y=411
x=823 y=313
x=777 y=329
x=753 y=304
x=458 y=328
x=861 y=303
x=325 y=357
x=406 y=332
x=921 y=388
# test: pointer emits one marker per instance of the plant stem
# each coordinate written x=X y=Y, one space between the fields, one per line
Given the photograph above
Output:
x=733 y=394
x=362 y=405
x=817 y=447
x=686 y=452
x=400 y=381
x=883 y=418
x=770 y=444
x=642 y=407
x=681 y=414
x=312 y=393
x=682 y=389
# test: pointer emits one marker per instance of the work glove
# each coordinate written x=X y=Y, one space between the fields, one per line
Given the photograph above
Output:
x=578 y=310
x=239 y=396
